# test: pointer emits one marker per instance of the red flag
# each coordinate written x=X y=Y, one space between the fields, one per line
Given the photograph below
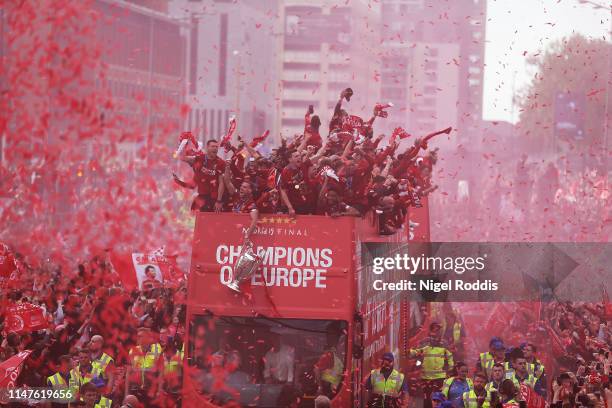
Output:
x=398 y=131
x=124 y=267
x=352 y=122
x=532 y=398
x=24 y=318
x=132 y=268
x=379 y=109
x=429 y=136
x=10 y=370
x=258 y=139
x=230 y=131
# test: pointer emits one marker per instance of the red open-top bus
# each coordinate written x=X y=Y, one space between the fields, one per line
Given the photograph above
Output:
x=310 y=295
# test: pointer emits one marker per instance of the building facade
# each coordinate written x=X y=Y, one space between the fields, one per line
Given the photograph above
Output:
x=326 y=46
x=231 y=66
x=144 y=52
x=450 y=37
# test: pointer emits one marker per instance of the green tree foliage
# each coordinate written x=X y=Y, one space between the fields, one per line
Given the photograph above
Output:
x=576 y=66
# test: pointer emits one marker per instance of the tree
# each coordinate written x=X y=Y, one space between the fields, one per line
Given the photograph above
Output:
x=572 y=74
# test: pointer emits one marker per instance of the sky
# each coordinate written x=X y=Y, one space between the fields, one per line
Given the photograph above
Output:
x=516 y=26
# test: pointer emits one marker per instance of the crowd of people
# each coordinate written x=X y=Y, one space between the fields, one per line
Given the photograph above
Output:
x=112 y=346
x=582 y=331
x=525 y=198
x=347 y=174
x=569 y=366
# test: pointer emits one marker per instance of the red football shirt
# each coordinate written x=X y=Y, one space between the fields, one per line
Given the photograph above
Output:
x=238 y=205
x=295 y=182
x=206 y=174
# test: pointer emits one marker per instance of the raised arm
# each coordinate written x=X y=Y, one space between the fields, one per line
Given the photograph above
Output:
x=320 y=153
x=347 y=149
x=385 y=171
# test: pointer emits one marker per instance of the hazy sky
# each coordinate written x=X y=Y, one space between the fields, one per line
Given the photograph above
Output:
x=516 y=26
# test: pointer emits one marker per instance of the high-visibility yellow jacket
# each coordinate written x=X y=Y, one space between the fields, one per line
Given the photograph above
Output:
x=390 y=387
x=333 y=375
x=536 y=368
x=104 y=403
x=99 y=366
x=437 y=360
x=470 y=399
x=142 y=360
x=449 y=381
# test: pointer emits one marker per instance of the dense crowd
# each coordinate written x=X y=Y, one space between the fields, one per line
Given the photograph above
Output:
x=563 y=356
x=582 y=331
x=348 y=174
x=127 y=344
x=528 y=198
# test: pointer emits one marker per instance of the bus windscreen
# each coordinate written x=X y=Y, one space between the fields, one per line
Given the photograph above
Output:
x=264 y=362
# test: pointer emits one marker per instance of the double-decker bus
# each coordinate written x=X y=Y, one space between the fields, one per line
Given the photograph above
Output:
x=311 y=299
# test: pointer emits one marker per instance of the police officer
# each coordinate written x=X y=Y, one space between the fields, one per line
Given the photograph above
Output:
x=516 y=369
x=386 y=386
x=496 y=378
x=455 y=386
x=534 y=366
x=329 y=369
x=83 y=372
x=62 y=379
x=436 y=360
x=496 y=354
x=478 y=396
x=103 y=367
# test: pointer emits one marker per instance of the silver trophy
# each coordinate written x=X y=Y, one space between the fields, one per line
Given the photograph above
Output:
x=246 y=265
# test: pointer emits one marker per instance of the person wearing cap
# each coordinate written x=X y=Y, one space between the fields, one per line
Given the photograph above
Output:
x=436 y=360
x=437 y=398
x=478 y=396
x=456 y=386
x=496 y=378
x=496 y=354
x=386 y=386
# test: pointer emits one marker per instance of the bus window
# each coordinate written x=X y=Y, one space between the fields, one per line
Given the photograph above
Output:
x=266 y=362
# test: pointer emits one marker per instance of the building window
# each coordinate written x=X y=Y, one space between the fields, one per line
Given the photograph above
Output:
x=431 y=65
x=222 y=54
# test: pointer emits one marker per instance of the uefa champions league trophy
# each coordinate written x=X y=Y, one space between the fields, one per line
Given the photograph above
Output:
x=246 y=265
